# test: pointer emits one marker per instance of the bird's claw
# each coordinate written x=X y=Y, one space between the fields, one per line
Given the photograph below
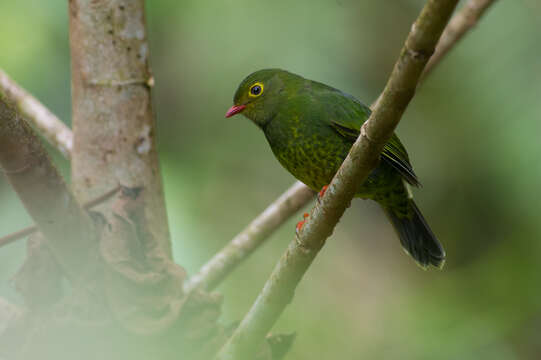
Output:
x=322 y=192
x=300 y=224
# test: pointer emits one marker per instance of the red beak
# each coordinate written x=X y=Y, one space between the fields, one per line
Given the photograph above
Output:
x=233 y=110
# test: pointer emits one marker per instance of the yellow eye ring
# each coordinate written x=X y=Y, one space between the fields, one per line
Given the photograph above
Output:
x=256 y=90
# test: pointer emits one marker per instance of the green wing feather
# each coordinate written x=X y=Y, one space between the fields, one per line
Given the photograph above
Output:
x=394 y=153
x=347 y=114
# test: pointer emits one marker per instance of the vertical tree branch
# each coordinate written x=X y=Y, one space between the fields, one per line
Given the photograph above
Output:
x=50 y=127
x=242 y=245
x=280 y=288
x=67 y=227
x=113 y=123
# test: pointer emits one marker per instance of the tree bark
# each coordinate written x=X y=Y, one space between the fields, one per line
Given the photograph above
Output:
x=67 y=227
x=113 y=124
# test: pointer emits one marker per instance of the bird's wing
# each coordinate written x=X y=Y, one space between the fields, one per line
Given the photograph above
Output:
x=394 y=153
x=347 y=114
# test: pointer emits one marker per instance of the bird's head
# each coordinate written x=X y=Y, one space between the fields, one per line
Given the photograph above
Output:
x=259 y=95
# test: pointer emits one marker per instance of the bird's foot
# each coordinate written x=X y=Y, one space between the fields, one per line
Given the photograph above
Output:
x=300 y=224
x=322 y=192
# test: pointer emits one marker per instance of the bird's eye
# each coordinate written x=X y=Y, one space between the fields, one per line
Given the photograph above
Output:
x=256 y=89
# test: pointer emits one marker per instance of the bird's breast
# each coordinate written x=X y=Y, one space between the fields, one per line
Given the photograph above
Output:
x=310 y=154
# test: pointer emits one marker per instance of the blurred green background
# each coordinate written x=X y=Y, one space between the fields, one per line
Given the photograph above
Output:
x=473 y=132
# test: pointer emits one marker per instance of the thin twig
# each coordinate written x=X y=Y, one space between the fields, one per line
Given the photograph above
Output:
x=364 y=155
x=242 y=245
x=8 y=239
x=21 y=234
x=464 y=20
x=210 y=272
x=50 y=127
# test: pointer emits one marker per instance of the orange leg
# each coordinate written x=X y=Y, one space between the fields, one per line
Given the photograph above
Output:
x=300 y=224
x=322 y=192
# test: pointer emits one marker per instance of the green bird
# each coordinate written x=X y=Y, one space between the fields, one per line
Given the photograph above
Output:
x=311 y=127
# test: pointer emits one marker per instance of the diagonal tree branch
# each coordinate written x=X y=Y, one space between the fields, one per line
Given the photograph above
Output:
x=50 y=127
x=364 y=155
x=465 y=19
x=250 y=238
x=214 y=271
x=67 y=227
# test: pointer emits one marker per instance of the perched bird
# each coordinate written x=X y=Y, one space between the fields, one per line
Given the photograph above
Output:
x=311 y=127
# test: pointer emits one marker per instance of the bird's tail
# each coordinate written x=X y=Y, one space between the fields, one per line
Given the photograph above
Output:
x=416 y=237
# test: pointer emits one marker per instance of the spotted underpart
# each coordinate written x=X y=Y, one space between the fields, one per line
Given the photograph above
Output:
x=314 y=158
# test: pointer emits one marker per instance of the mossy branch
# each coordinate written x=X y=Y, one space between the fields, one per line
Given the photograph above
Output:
x=363 y=156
